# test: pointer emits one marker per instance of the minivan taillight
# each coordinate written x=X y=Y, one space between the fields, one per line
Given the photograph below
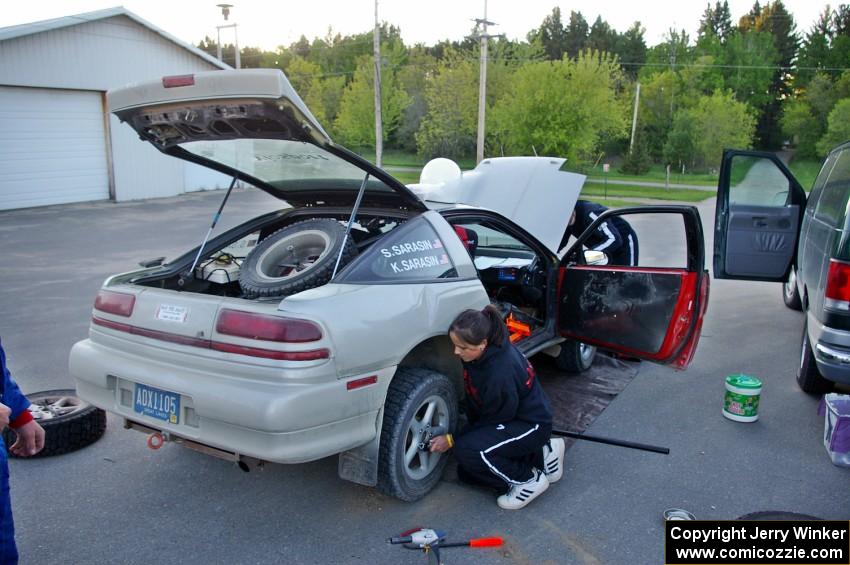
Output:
x=118 y=303
x=267 y=328
x=838 y=286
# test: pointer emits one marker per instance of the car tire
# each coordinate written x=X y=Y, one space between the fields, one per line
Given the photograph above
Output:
x=416 y=398
x=790 y=294
x=69 y=423
x=808 y=375
x=575 y=357
x=296 y=258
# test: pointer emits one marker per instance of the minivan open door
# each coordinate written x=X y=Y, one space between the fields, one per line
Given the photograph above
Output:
x=759 y=209
x=649 y=313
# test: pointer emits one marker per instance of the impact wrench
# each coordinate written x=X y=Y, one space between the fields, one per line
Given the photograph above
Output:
x=430 y=541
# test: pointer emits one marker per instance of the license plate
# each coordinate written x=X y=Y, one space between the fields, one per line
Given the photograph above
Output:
x=157 y=403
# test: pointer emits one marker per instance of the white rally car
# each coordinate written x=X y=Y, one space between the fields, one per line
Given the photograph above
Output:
x=320 y=329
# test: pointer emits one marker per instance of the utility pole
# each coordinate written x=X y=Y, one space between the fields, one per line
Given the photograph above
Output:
x=225 y=11
x=634 y=117
x=482 y=82
x=379 y=133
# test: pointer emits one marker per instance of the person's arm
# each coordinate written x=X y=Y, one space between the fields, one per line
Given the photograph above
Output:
x=13 y=397
x=608 y=236
x=30 y=435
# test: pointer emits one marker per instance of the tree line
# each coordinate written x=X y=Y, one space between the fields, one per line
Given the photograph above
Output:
x=569 y=88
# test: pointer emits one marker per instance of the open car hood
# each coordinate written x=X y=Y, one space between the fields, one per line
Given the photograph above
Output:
x=535 y=192
x=251 y=124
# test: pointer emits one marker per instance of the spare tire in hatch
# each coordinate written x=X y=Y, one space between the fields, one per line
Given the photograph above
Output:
x=69 y=423
x=298 y=257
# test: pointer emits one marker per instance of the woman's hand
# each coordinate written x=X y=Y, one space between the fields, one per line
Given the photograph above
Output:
x=439 y=444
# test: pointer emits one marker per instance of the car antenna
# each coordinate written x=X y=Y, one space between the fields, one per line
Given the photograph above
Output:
x=350 y=221
x=209 y=231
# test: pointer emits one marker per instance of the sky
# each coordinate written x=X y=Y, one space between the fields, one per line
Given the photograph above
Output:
x=269 y=23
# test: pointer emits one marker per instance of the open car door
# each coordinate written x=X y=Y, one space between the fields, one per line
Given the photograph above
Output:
x=648 y=312
x=759 y=209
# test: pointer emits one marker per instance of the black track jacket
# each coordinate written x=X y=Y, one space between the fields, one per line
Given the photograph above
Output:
x=612 y=237
x=501 y=386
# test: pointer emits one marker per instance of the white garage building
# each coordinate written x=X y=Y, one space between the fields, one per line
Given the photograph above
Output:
x=57 y=142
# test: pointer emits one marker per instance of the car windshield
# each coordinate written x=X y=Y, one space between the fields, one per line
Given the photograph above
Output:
x=284 y=164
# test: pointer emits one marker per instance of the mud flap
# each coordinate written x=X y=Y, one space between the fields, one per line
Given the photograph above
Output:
x=360 y=465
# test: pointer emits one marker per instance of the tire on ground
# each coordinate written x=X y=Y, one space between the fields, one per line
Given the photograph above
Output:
x=808 y=375
x=412 y=393
x=69 y=423
x=295 y=258
x=575 y=357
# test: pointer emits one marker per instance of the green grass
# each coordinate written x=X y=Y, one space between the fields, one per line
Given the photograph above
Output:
x=614 y=203
x=805 y=171
x=393 y=158
x=406 y=177
x=648 y=192
x=657 y=173
x=598 y=191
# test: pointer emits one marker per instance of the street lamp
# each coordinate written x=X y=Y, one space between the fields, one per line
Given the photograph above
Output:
x=225 y=12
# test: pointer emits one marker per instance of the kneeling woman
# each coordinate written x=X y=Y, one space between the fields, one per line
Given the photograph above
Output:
x=506 y=444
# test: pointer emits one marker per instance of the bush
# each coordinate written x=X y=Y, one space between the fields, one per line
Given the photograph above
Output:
x=637 y=161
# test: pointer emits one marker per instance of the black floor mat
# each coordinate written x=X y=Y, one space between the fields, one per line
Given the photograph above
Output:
x=578 y=399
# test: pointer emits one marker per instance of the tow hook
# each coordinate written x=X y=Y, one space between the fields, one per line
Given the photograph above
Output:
x=155 y=440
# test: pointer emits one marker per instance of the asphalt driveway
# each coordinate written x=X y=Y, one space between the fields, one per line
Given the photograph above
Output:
x=118 y=502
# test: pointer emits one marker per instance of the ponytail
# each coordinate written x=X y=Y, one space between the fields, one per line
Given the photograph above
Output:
x=474 y=326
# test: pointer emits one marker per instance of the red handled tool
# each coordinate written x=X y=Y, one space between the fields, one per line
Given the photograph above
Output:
x=430 y=541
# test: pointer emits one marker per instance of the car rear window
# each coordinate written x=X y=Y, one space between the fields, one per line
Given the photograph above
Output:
x=285 y=164
x=411 y=252
x=834 y=182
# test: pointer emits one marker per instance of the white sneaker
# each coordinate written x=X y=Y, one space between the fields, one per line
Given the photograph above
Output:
x=520 y=495
x=553 y=459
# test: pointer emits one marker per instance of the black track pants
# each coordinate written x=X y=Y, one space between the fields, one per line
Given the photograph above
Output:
x=501 y=455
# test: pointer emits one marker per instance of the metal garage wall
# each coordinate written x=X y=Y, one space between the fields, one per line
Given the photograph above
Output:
x=52 y=147
x=95 y=55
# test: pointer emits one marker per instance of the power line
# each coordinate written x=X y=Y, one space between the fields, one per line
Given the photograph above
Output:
x=350 y=44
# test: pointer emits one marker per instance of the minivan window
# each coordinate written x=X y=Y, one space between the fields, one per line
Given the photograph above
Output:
x=757 y=181
x=834 y=181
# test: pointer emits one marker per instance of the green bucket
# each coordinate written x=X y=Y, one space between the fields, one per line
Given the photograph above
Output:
x=743 y=393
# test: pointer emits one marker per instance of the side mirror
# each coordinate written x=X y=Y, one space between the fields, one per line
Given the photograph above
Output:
x=593 y=257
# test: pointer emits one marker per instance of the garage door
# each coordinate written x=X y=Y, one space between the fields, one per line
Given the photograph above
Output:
x=52 y=147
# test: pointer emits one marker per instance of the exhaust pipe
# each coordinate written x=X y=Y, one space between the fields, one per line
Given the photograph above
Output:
x=247 y=463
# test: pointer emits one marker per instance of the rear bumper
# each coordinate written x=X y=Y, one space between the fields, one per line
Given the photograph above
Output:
x=279 y=414
x=832 y=351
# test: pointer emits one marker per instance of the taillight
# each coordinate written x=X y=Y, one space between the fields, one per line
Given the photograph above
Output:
x=117 y=303
x=178 y=80
x=267 y=328
x=838 y=285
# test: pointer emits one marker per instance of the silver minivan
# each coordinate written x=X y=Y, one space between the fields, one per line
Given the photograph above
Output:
x=767 y=229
